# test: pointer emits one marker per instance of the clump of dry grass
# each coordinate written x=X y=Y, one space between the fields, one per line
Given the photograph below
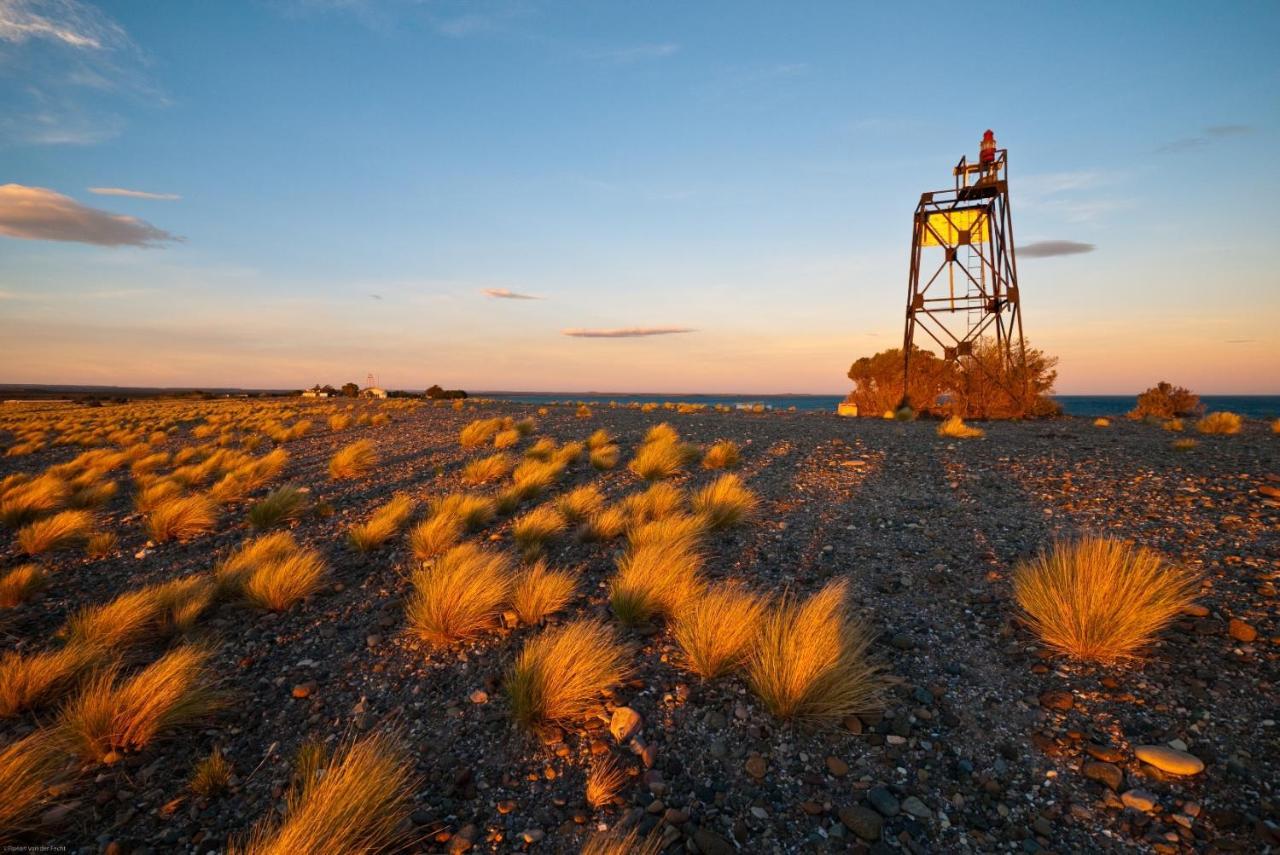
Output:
x=60 y=531
x=486 y=469
x=479 y=432
x=93 y=495
x=716 y=630
x=541 y=450
x=182 y=518
x=539 y=592
x=20 y=584
x=722 y=455
x=561 y=672
x=23 y=501
x=112 y=715
x=605 y=457
x=31 y=771
x=606 y=525
x=810 y=660
x=506 y=438
x=534 y=528
x=353 y=460
x=1173 y=425
x=661 y=432
x=599 y=439
x=434 y=535
x=605 y=780
x=358 y=802
x=277 y=584
x=154 y=611
x=1275 y=427
x=532 y=477
x=570 y=452
x=474 y=511
x=1099 y=599
x=657 y=576
x=1220 y=424
x=655 y=503
x=212 y=774
x=724 y=502
x=281 y=505
x=153 y=494
x=101 y=544
x=339 y=421
x=1102 y=422
x=1184 y=444
x=621 y=841
x=460 y=595
x=659 y=459
x=580 y=503
x=35 y=680
x=955 y=428
x=385 y=523
x=583 y=412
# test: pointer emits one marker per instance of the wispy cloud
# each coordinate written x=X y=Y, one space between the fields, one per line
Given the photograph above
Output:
x=133 y=194
x=37 y=213
x=505 y=294
x=1206 y=136
x=66 y=22
x=1050 y=248
x=635 y=53
x=625 y=332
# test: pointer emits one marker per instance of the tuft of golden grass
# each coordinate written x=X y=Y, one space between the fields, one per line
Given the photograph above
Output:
x=1275 y=427
x=154 y=611
x=657 y=576
x=599 y=439
x=561 y=672
x=358 y=802
x=385 y=523
x=661 y=432
x=475 y=511
x=678 y=531
x=459 y=596
x=539 y=592
x=212 y=774
x=1173 y=425
x=353 y=460
x=152 y=494
x=20 y=584
x=111 y=715
x=658 y=459
x=32 y=769
x=724 y=502
x=101 y=544
x=281 y=505
x=1220 y=424
x=722 y=455
x=810 y=662
x=60 y=531
x=531 y=477
x=1102 y=422
x=1184 y=444
x=605 y=781
x=716 y=629
x=620 y=841
x=277 y=585
x=580 y=503
x=339 y=421
x=659 y=501
x=486 y=469
x=534 y=528
x=93 y=495
x=570 y=452
x=541 y=450
x=584 y=412
x=1099 y=599
x=606 y=525
x=506 y=438
x=37 y=679
x=479 y=432
x=434 y=535
x=604 y=458
x=182 y=518
x=955 y=428
x=25 y=500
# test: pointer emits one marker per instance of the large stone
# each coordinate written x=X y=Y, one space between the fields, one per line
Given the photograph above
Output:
x=883 y=800
x=862 y=821
x=916 y=808
x=710 y=843
x=756 y=766
x=625 y=723
x=1140 y=800
x=1061 y=701
x=1106 y=773
x=1170 y=760
x=1241 y=631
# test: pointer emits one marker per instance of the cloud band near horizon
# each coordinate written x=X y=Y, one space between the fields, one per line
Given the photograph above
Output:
x=626 y=332
x=1051 y=248
x=37 y=213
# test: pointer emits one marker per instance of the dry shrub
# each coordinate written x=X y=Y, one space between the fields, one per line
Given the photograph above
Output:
x=479 y=432
x=182 y=518
x=620 y=841
x=278 y=584
x=486 y=469
x=339 y=421
x=722 y=455
x=212 y=774
x=810 y=660
x=60 y=531
x=358 y=802
x=1220 y=424
x=112 y=715
x=433 y=536
x=658 y=576
x=474 y=511
x=93 y=495
x=151 y=495
x=281 y=505
x=599 y=439
x=537 y=526
x=716 y=630
x=101 y=544
x=26 y=500
x=661 y=432
x=580 y=503
x=606 y=525
x=655 y=503
x=539 y=592
x=560 y=673
x=353 y=460
x=1173 y=425
x=605 y=780
x=724 y=502
x=20 y=584
x=460 y=595
x=541 y=450
x=155 y=611
x=1102 y=422
x=953 y=427
x=35 y=680
x=1099 y=599
x=1184 y=444
x=656 y=460
x=384 y=524
x=32 y=770
x=583 y=412
x=506 y=438
x=605 y=457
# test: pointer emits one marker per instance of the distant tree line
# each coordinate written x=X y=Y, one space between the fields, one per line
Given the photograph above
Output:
x=436 y=393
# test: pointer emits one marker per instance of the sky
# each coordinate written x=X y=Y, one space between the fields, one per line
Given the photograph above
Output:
x=608 y=196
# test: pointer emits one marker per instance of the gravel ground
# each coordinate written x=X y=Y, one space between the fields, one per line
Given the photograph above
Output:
x=988 y=742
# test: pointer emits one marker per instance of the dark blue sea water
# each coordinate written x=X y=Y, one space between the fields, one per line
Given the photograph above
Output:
x=1250 y=406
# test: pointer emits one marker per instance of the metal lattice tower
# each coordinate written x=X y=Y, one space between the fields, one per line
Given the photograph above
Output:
x=972 y=291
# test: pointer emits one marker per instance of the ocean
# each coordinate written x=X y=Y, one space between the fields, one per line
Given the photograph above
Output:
x=1092 y=406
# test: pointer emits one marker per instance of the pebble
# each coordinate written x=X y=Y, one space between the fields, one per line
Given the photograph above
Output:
x=304 y=690
x=837 y=767
x=624 y=724
x=1170 y=760
x=1106 y=773
x=1139 y=800
x=916 y=808
x=1241 y=631
x=1061 y=701
x=883 y=801
x=479 y=696
x=756 y=766
x=862 y=821
x=710 y=843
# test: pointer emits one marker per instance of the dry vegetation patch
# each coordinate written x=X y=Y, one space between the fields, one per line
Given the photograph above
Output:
x=460 y=595
x=560 y=673
x=716 y=630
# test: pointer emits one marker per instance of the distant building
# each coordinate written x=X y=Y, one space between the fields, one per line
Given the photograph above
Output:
x=317 y=392
x=373 y=392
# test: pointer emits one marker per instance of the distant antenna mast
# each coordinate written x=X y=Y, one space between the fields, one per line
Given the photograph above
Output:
x=370 y=382
x=968 y=231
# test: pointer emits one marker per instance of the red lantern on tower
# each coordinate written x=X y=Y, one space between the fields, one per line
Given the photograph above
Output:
x=987 y=150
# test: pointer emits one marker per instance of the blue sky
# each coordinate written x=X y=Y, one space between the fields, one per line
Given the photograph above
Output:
x=352 y=177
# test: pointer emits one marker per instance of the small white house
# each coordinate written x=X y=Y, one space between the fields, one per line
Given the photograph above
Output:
x=373 y=392
x=317 y=392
